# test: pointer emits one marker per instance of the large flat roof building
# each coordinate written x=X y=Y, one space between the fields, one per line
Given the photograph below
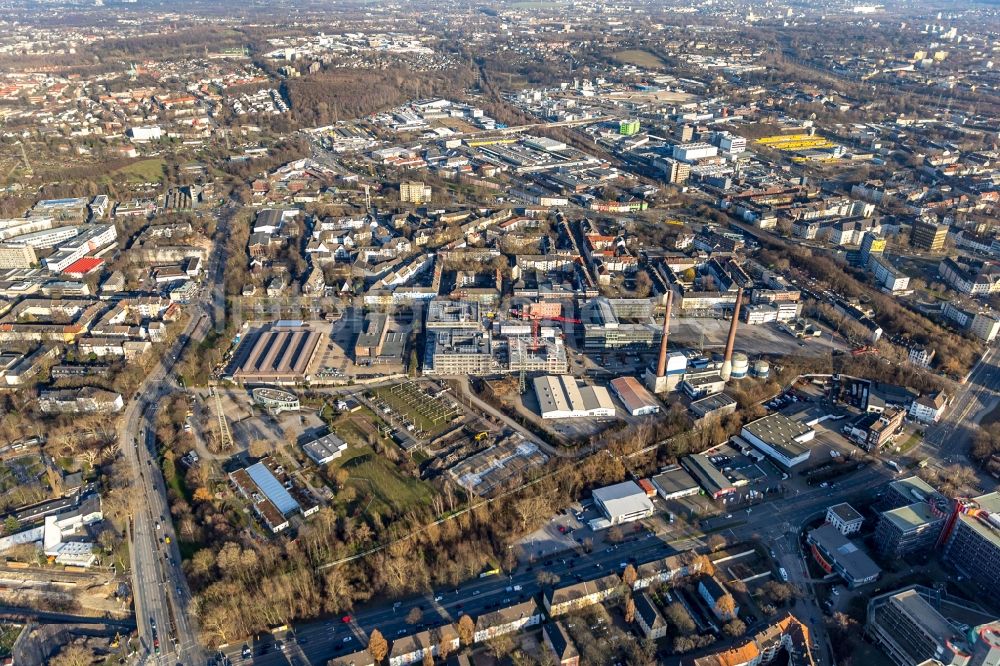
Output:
x=560 y=397
x=281 y=353
x=623 y=502
x=781 y=438
x=838 y=554
x=637 y=400
x=708 y=476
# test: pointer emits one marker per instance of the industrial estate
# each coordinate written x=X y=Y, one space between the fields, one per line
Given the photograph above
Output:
x=499 y=333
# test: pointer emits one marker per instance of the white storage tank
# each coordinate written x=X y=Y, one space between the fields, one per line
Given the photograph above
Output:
x=761 y=368
x=741 y=365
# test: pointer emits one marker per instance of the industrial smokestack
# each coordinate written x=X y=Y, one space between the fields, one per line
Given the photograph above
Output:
x=661 y=365
x=727 y=360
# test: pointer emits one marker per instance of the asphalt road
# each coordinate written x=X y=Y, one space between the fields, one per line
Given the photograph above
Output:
x=777 y=522
x=953 y=434
x=167 y=633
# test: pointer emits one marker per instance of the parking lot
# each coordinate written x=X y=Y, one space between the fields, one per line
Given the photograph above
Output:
x=710 y=334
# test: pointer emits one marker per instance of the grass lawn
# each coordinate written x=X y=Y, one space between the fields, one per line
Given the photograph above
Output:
x=911 y=443
x=376 y=479
x=639 y=58
x=143 y=171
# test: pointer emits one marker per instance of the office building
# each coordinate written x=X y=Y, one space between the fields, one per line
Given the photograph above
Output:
x=906 y=491
x=985 y=326
x=674 y=171
x=929 y=408
x=628 y=127
x=730 y=143
x=274 y=400
x=972 y=542
x=459 y=351
x=835 y=553
x=845 y=518
x=548 y=355
x=888 y=277
x=872 y=245
x=919 y=626
x=914 y=528
x=928 y=235
x=623 y=502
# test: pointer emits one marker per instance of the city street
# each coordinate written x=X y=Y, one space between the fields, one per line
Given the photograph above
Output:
x=777 y=523
x=167 y=634
x=953 y=434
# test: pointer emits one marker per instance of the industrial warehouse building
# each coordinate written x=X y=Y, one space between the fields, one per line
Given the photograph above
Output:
x=784 y=440
x=637 y=400
x=562 y=398
x=674 y=482
x=282 y=353
x=623 y=502
x=708 y=476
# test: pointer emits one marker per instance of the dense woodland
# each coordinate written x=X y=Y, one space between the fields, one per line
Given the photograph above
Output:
x=343 y=94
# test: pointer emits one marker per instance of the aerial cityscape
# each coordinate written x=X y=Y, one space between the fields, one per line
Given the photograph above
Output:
x=499 y=333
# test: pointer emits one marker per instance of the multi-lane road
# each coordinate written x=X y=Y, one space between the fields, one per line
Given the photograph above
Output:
x=952 y=435
x=777 y=523
x=167 y=633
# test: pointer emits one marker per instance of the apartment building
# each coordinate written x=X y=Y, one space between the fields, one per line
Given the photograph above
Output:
x=14 y=255
x=928 y=235
x=566 y=599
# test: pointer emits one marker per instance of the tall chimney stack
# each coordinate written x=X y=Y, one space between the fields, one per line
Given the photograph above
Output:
x=727 y=360
x=661 y=365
